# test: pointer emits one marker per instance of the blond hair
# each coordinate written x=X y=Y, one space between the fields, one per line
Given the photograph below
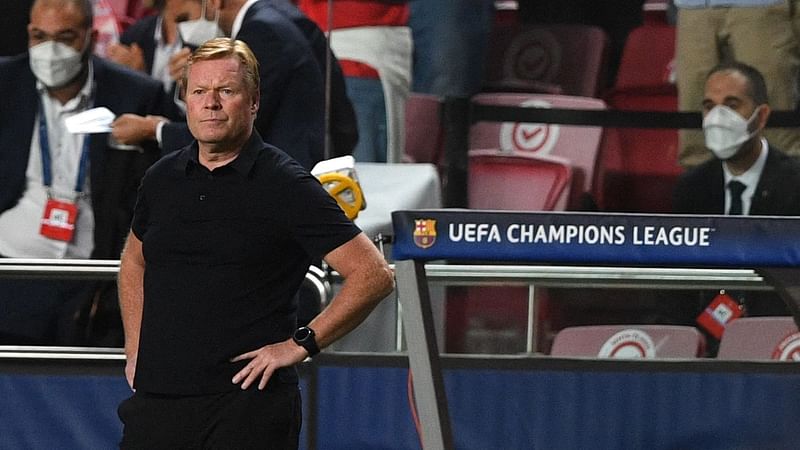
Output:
x=220 y=48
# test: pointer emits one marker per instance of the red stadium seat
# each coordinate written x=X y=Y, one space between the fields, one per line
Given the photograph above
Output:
x=761 y=338
x=493 y=318
x=640 y=166
x=656 y=11
x=555 y=59
x=577 y=144
x=517 y=181
x=424 y=132
x=629 y=341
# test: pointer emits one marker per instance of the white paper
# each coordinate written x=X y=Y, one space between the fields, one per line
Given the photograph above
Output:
x=95 y=120
x=343 y=164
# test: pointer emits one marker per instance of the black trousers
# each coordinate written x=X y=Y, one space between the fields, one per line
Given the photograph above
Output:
x=241 y=420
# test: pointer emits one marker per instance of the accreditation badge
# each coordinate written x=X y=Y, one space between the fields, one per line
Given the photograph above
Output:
x=58 y=221
x=722 y=310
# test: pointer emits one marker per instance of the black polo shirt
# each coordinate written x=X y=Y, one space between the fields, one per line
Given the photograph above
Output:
x=225 y=252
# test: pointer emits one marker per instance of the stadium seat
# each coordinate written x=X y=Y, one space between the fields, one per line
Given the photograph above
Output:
x=424 y=131
x=556 y=59
x=493 y=319
x=639 y=167
x=761 y=338
x=517 y=181
x=656 y=11
x=629 y=341
x=577 y=144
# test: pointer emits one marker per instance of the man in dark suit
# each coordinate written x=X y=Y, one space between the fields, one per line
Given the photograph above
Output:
x=63 y=195
x=153 y=45
x=736 y=99
x=747 y=176
x=342 y=122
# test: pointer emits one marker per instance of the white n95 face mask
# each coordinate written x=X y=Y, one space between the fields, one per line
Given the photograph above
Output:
x=55 y=64
x=196 y=32
x=725 y=131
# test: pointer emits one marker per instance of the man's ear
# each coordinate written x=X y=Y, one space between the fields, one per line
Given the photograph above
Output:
x=92 y=40
x=763 y=115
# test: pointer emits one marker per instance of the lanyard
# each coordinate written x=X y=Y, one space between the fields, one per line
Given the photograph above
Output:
x=44 y=144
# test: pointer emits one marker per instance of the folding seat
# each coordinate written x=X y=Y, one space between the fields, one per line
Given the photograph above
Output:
x=494 y=318
x=629 y=342
x=761 y=338
x=656 y=11
x=517 y=181
x=639 y=166
x=570 y=59
x=424 y=131
x=580 y=145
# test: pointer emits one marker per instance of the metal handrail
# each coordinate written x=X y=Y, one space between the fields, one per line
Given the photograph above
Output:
x=107 y=269
x=454 y=274
x=601 y=276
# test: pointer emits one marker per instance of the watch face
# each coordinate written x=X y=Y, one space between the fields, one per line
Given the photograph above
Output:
x=302 y=333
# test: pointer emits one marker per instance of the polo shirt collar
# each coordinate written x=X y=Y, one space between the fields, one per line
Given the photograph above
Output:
x=243 y=163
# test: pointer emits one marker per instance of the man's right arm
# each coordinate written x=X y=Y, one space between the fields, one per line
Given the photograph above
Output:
x=131 y=297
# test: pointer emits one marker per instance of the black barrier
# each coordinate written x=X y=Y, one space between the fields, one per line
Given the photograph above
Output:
x=610 y=118
x=460 y=113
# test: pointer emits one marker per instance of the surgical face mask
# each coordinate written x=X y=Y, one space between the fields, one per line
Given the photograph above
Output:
x=725 y=131
x=55 y=64
x=196 y=32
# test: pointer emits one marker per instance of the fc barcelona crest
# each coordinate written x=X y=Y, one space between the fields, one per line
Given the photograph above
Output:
x=424 y=232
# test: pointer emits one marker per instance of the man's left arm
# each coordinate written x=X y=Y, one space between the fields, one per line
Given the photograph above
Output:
x=367 y=280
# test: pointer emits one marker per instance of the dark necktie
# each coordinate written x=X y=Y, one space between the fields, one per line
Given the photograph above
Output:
x=736 y=189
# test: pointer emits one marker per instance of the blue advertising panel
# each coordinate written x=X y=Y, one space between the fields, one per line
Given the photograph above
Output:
x=597 y=238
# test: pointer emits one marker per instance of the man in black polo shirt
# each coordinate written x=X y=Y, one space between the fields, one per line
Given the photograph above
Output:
x=223 y=234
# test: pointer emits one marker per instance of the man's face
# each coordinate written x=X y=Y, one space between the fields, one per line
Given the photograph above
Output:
x=184 y=10
x=52 y=22
x=728 y=88
x=219 y=108
x=227 y=14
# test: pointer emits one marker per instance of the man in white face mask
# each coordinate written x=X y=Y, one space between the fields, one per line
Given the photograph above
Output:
x=157 y=44
x=748 y=176
x=63 y=194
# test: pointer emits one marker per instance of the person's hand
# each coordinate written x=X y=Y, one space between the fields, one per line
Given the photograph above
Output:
x=132 y=56
x=265 y=360
x=178 y=62
x=130 y=370
x=131 y=129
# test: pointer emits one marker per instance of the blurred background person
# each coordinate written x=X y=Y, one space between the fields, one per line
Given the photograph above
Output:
x=374 y=45
x=747 y=176
x=62 y=194
x=154 y=45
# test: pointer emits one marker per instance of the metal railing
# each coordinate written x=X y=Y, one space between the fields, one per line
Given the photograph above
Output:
x=530 y=276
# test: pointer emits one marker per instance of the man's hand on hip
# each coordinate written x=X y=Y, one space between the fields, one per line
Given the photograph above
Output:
x=266 y=360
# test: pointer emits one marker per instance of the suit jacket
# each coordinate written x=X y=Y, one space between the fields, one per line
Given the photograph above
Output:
x=701 y=190
x=114 y=174
x=343 y=126
x=291 y=115
x=141 y=33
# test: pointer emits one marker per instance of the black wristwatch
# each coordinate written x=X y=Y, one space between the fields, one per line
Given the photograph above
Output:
x=304 y=337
